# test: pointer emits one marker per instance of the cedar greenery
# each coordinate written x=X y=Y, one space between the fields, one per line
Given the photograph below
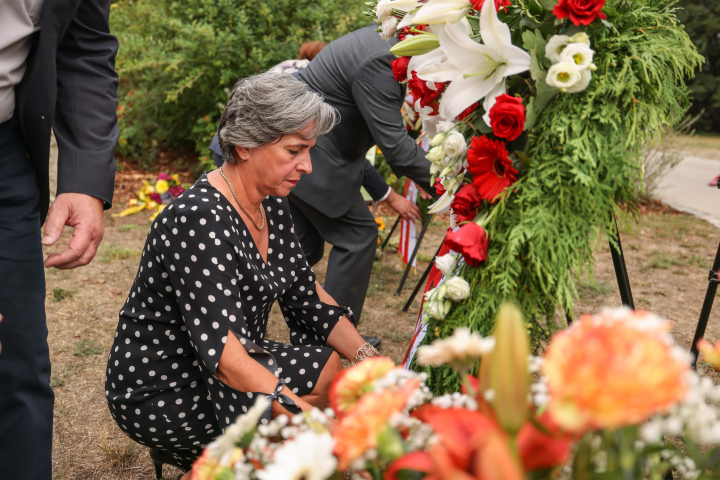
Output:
x=584 y=156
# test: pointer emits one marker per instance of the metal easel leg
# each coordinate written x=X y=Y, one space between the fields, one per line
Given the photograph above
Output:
x=621 y=274
x=392 y=230
x=414 y=253
x=421 y=282
x=707 y=307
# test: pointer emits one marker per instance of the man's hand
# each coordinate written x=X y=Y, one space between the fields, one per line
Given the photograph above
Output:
x=403 y=206
x=85 y=215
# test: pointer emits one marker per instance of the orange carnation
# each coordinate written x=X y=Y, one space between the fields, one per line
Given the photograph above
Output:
x=352 y=383
x=611 y=370
x=358 y=431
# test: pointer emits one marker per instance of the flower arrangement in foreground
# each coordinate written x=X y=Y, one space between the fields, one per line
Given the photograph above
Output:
x=154 y=196
x=538 y=111
x=596 y=406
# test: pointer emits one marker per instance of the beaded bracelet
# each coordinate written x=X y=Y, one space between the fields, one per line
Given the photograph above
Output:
x=364 y=352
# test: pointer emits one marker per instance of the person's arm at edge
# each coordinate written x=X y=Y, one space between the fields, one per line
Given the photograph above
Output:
x=85 y=125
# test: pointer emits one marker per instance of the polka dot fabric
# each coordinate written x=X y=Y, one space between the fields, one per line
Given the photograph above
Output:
x=200 y=278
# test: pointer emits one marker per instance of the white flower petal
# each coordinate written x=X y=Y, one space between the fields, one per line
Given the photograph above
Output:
x=494 y=32
x=442 y=11
x=490 y=100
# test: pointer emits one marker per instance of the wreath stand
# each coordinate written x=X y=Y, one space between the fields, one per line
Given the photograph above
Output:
x=713 y=281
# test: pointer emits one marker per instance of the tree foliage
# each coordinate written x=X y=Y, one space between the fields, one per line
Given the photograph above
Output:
x=702 y=23
x=178 y=60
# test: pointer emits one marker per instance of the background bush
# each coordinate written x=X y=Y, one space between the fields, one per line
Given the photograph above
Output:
x=178 y=60
x=702 y=23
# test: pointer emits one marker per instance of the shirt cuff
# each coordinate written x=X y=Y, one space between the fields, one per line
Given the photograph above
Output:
x=387 y=194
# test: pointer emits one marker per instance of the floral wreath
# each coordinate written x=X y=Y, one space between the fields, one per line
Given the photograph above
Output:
x=538 y=112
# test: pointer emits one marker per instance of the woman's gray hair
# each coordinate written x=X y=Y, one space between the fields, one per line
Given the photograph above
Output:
x=265 y=107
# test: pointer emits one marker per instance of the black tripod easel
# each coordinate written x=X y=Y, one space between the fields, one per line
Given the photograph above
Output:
x=618 y=259
x=707 y=304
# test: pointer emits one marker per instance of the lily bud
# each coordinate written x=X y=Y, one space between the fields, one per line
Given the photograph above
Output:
x=505 y=369
x=416 y=45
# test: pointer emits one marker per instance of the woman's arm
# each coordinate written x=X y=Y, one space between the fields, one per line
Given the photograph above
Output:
x=344 y=338
x=242 y=372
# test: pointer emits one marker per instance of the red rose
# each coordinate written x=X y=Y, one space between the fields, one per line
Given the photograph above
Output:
x=471 y=241
x=399 y=68
x=507 y=117
x=477 y=4
x=465 y=203
x=581 y=12
x=439 y=189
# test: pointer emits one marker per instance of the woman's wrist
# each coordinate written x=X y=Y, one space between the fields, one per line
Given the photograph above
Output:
x=364 y=352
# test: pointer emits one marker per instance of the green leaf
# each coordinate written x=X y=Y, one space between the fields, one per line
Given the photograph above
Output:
x=529 y=40
x=548 y=4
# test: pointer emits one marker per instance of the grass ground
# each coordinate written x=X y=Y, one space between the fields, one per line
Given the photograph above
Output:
x=668 y=255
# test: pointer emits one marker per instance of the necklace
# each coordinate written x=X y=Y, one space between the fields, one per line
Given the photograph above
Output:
x=232 y=190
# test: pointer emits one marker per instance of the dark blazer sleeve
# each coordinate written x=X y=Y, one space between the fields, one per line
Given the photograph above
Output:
x=379 y=98
x=374 y=183
x=85 y=122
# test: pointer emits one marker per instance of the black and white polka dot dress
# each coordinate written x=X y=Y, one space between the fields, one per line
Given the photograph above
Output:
x=201 y=276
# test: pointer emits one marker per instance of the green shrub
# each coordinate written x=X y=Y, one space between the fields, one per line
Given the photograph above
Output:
x=178 y=60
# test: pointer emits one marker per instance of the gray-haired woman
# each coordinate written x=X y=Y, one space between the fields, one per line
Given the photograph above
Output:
x=190 y=352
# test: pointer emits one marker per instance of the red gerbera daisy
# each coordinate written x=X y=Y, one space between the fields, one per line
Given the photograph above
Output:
x=490 y=166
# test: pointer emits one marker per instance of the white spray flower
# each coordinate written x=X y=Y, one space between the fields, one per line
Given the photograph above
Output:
x=564 y=75
x=383 y=10
x=389 y=27
x=555 y=47
x=579 y=54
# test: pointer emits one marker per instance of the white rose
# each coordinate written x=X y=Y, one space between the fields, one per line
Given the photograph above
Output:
x=585 y=77
x=555 y=47
x=383 y=10
x=455 y=144
x=579 y=54
x=389 y=27
x=457 y=289
x=446 y=263
x=563 y=75
x=436 y=154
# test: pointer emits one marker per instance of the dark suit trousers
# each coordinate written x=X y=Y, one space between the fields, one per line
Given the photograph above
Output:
x=353 y=237
x=26 y=399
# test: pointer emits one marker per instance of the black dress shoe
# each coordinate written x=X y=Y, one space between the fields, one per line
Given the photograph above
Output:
x=160 y=457
x=373 y=341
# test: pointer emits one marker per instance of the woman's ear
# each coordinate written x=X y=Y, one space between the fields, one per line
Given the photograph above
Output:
x=241 y=153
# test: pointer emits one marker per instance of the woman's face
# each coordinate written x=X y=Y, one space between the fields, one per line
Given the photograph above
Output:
x=277 y=167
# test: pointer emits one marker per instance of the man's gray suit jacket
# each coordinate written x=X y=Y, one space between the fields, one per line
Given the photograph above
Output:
x=354 y=75
x=70 y=85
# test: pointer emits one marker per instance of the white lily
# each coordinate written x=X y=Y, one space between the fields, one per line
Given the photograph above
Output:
x=442 y=204
x=442 y=11
x=476 y=70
